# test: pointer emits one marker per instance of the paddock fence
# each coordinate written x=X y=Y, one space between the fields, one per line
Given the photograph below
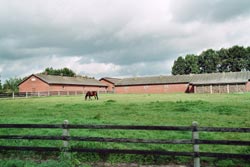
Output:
x=66 y=138
x=14 y=95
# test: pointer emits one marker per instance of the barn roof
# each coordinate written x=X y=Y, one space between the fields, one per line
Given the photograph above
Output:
x=112 y=80
x=154 y=80
x=211 y=78
x=53 y=79
x=220 y=78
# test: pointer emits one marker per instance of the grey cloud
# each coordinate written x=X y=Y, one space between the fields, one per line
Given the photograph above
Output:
x=132 y=35
x=213 y=11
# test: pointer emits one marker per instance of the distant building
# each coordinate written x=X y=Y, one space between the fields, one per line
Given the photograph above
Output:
x=194 y=83
x=230 y=82
x=110 y=82
x=50 y=83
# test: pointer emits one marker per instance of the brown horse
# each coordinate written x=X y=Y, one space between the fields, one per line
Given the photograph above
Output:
x=91 y=93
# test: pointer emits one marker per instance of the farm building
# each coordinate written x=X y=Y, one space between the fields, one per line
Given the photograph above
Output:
x=221 y=82
x=52 y=83
x=155 y=84
x=110 y=82
x=195 y=83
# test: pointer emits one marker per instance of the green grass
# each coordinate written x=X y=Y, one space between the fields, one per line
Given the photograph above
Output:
x=216 y=110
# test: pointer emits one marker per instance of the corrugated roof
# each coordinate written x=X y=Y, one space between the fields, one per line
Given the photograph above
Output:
x=112 y=80
x=52 y=79
x=211 y=78
x=154 y=80
x=220 y=78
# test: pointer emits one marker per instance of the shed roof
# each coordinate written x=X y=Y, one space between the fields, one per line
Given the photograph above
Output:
x=53 y=79
x=211 y=78
x=154 y=80
x=220 y=78
x=112 y=80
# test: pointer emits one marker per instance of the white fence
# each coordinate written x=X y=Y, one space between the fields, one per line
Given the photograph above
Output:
x=43 y=94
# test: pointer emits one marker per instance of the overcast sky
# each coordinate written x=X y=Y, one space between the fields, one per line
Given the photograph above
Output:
x=115 y=38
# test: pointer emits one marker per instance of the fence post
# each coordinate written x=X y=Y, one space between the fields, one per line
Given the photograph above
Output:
x=66 y=136
x=13 y=95
x=65 y=132
x=195 y=138
x=26 y=95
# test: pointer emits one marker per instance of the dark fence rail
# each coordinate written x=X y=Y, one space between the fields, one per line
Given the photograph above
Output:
x=195 y=141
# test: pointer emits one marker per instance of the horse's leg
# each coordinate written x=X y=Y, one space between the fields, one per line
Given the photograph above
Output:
x=86 y=97
x=96 y=96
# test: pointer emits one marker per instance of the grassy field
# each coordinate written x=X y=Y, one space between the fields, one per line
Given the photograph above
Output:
x=225 y=110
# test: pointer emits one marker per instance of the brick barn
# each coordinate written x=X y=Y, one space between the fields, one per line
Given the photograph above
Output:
x=52 y=83
x=195 y=83
x=221 y=82
x=155 y=84
x=110 y=82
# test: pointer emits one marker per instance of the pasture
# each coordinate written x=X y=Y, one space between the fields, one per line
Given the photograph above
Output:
x=216 y=110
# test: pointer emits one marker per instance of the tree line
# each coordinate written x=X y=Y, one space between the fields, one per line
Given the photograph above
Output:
x=10 y=85
x=64 y=72
x=234 y=59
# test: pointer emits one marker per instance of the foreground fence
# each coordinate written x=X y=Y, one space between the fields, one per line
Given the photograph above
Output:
x=66 y=138
x=48 y=93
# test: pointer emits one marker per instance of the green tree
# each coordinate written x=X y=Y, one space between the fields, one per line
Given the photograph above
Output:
x=191 y=64
x=179 y=66
x=208 y=61
x=64 y=71
x=11 y=85
x=1 y=87
x=236 y=58
x=223 y=60
x=247 y=65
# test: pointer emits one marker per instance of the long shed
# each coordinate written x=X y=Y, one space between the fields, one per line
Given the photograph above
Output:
x=230 y=82
x=50 y=83
x=154 y=84
x=193 y=83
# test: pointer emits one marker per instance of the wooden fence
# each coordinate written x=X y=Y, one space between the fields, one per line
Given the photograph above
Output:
x=48 y=93
x=195 y=141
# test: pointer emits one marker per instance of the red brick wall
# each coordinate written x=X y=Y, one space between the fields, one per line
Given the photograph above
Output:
x=167 y=88
x=76 y=88
x=33 y=84
x=111 y=86
x=248 y=86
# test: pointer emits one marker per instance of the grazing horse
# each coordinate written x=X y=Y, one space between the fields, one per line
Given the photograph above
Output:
x=91 y=93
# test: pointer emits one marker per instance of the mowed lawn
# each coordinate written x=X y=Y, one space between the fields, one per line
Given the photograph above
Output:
x=214 y=110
